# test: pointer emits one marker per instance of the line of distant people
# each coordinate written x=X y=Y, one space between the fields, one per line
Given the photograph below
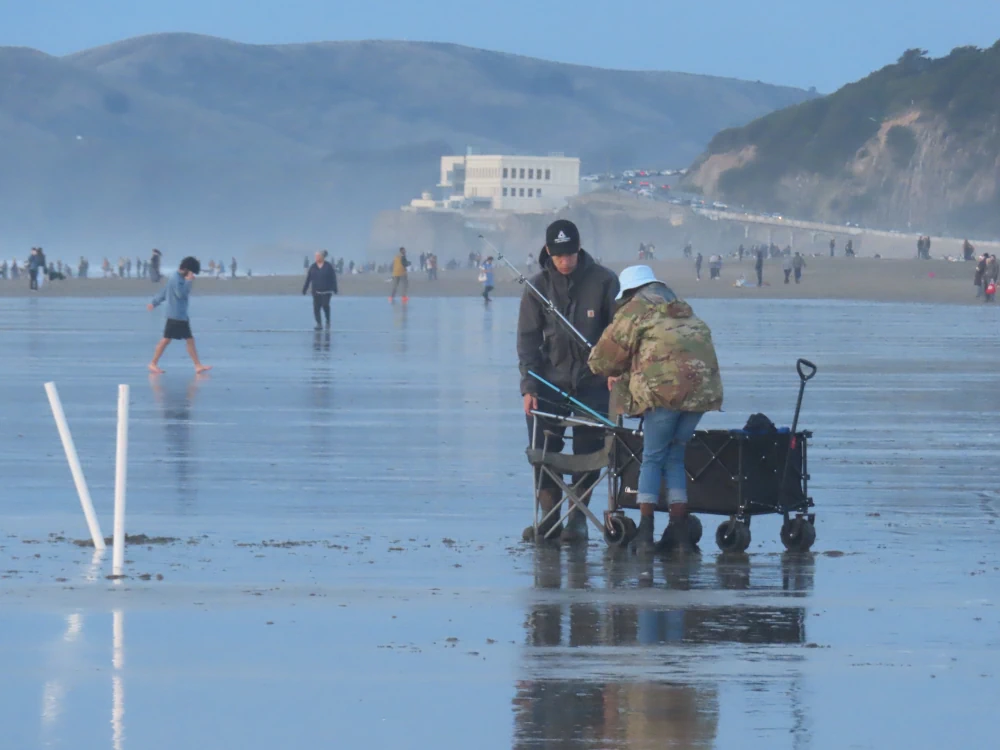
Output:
x=39 y=269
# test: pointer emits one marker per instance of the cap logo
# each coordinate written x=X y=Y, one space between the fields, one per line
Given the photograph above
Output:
x=590 y=313
x=561 y=237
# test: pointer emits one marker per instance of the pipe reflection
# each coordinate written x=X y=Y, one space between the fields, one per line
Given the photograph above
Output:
x=117 y=680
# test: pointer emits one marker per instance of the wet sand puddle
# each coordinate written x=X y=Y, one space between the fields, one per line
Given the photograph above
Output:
x=332 y=556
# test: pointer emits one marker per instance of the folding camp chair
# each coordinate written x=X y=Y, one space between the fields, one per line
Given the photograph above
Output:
x=555 y=465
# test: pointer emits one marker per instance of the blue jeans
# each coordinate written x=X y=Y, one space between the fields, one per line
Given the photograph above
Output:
x=665 y=437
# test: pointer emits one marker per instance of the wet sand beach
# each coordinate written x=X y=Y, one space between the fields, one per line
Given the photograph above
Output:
x=334 y=556
x=862 y=279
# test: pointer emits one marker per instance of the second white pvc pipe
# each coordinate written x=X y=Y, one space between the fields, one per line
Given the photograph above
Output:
x=121 y=477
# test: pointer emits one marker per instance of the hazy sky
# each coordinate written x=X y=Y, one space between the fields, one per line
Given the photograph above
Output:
x=822 y=43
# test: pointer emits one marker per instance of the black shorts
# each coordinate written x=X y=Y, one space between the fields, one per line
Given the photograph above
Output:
x=179 y=330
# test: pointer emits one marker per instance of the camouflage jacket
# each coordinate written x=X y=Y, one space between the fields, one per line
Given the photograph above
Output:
x=664 y=351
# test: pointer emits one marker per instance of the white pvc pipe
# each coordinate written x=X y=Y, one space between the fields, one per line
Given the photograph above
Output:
x=121 y=476
x=74 y=466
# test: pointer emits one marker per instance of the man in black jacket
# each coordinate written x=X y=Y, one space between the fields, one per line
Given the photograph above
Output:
x=324 y=283
x=584 y=292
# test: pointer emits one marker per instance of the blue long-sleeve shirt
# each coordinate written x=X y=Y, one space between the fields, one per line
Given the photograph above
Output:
x=488 y=271
x=175 y=293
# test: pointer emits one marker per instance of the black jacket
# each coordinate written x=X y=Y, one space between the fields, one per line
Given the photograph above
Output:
x=323 y=280
x=587 y=298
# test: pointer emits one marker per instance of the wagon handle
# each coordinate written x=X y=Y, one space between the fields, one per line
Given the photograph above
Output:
x=805 y=364
x=801 y=366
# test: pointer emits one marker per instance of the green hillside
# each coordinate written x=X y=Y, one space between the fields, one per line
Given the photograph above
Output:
x=954 y=108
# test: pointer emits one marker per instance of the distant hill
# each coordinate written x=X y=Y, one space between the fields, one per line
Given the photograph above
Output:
x=185 y=140
x=914 y=145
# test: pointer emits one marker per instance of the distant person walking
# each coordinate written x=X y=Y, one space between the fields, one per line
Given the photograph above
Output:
x=786 y=266
x=833 y=247
x=990 y=278
x=175 y=293
x=715 y=267
x=697 y=267
x=154 y=266
x=968 y=251
x=400 y=279
x=978 y=280
x=759 y=267
x=486 y=277
x=232 y=268
x=323 y=279
x=798 y=263
x=33 y=265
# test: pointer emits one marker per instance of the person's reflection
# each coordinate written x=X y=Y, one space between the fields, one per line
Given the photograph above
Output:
x=320 y=396
x=175 y=403
x=321 y=344
x=399 y=321
x=579 y=713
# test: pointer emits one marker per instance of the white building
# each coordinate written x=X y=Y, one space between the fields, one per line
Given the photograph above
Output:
x=512 y=183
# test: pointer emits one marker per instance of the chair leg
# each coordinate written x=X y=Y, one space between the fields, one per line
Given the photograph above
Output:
x=548 y=501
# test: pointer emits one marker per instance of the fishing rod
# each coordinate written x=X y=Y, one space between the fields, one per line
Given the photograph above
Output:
x=522 y=279
x=576 y=402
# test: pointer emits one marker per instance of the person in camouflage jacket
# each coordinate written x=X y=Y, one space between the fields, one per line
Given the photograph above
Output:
x=669 y=374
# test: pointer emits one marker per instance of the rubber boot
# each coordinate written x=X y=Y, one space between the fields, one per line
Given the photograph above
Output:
x=547 y=500
x=643 y=543
x=677 y=536
x=575 y=530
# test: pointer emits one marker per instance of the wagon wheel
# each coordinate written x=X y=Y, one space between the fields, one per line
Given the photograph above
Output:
x=616 y=532
x=630 y=528
x=797 y=534
x=732 y=536
x=694 y=529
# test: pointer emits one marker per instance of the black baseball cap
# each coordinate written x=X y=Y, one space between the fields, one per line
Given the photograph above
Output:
x=191 y=264
x=562 y=238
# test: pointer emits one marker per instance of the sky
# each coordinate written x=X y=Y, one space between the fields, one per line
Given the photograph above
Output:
x=821 y=43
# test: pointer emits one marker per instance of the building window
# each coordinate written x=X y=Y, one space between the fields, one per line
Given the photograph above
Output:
x=505 y=192
x=531 y=174
x=538 y=193
x=522 y=190
x=548 y=174
x=505 y=173
x=522 y=173
x=531 y=192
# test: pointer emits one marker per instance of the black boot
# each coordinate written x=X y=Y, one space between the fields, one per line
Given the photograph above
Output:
x=547 y=500
x=643 y=543
x=575 y=530
x=676 y=537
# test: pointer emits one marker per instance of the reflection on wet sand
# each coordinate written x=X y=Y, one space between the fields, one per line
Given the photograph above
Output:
x=604 y=629
x=399 y=315
x=321 y=342
x=56 y=689
x=175 y=404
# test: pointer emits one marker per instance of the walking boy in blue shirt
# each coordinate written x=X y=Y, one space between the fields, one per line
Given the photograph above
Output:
x=178 y=327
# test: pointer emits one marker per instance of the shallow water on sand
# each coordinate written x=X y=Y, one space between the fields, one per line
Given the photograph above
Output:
x=347 y=569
